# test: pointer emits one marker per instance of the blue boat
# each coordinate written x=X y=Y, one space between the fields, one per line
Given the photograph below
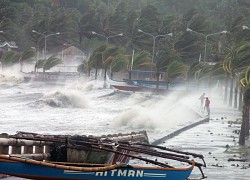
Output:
x=32 y=169
x=125 y=158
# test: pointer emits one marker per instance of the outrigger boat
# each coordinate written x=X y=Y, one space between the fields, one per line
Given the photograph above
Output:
x=50 y=76
x=137 y=85
x=140 y=167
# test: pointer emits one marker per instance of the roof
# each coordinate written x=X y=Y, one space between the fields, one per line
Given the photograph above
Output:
x=10 y=44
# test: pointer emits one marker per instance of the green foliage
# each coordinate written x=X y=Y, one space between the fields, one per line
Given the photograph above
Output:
x=28 y=54
x=84 y=68
x=51 y=62
x=39 y=63
x=199 y=70
x=176 y=69
x=75 y=20
x=165 y=58
x=9 y=58
x=238 y=58
x=119 y=62
x=142 y=59
x=217 y=70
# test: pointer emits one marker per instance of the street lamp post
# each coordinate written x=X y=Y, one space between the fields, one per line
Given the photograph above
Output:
x=206 y=36
x=154 y=38
x=107 y=37
x=45 y=39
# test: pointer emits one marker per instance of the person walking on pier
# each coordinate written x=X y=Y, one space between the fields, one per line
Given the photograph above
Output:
x=201 y=98
x=207 y=106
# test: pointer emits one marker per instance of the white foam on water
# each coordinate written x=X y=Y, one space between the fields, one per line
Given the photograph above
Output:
x=156 y=113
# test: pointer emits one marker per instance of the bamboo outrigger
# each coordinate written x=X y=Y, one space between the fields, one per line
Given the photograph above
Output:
x=119 y=151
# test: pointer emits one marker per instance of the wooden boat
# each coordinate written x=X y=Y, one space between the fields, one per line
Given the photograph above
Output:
x=56 y=147
x=137 y=85
x=125 y=86
x=28 y=166
x=50 y=76
x=32 y=169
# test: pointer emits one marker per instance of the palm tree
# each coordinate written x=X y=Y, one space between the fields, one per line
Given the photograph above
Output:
x=85 y=68
x=39 y=64
x=237 y=60
x=96 y=58
x=217 y=73
x=107 y=57
x=51 y=62
x=175 y=69
x=119 y=62
x=103 y=56
x=27 y=55
x=245 y=83
x=9 y=58
x=165 y=58
x=141 y=60
x=199 y=71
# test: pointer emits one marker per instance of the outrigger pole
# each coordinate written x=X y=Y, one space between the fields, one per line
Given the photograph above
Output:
x=101 y=143
x=95 y=145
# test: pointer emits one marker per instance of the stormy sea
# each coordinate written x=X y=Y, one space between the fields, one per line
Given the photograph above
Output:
x=84 y=107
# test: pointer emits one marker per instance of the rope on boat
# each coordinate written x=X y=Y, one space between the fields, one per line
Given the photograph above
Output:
x=107 y=144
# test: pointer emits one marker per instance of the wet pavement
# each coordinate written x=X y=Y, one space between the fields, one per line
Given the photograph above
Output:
x=217 y=140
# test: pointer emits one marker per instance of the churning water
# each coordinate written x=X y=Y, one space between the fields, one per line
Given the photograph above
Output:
x=83 y=107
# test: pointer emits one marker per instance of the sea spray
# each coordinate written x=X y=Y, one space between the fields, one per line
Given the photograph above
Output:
x=156 y=113
x=63 y=99
x=85 y=84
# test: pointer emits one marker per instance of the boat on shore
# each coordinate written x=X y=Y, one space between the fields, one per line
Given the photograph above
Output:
x=127 y=156
x=32 y=169
x=137 y=85
x=50 y=76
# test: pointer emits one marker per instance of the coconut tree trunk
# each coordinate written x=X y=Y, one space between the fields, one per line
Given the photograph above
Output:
x=247 y=123
x=240 y=100
x=105 y=77
x=226 y=89
x=157 y=79
x=236 y=94
x=243 y=126
x=96 y=72
x=21 y=66
x=231 y=91
x=89 y=72
x=129 y=75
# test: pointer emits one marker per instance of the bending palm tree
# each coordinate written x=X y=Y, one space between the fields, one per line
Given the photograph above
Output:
x=245 y=82
x=51 y=62
x=26 y=55
x=175 y=69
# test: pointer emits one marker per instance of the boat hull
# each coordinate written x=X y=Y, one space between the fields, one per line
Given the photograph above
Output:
x=128 y=88
x=136 y=86
x=32 y=169
x=49 y=76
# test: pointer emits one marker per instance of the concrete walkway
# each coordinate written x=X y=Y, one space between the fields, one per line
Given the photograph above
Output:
x=217 y=140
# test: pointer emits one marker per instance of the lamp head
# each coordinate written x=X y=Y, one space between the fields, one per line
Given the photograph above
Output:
x=170 y=34
x=33 y=30
x=93 y=32
x=245 y=27
x=58 y=33
x=1 y=31
x=120 y=34
x=224 y=32
x=189 y=29
x=139 y=30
